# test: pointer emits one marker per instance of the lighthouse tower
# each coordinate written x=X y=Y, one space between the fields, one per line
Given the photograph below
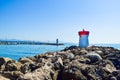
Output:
x=83 y=38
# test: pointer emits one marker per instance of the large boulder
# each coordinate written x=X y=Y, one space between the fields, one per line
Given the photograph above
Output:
x=4 y=60
x=83 y=59
x=25 y=68
x=71 y=48
x=3 y=78
x=43 y=73
x=94 y=57
x=13 y=66
x=58 y=64
x=12 y=75
x=25 y=60
x=83 y=51
x=72 y=71
x=109 y=67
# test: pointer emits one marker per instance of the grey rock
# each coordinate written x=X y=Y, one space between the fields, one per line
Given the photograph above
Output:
x=93 y=57
x=39 y=74
x=109 y=68
x=58 y=64
x=113 y=78
x=13 y=66
x=13 y=75
x=3 y=78
x=115 y=73
x=25 y=60
x=118 y=77
x=25 y=68
x=4 y=60
x=70 y=55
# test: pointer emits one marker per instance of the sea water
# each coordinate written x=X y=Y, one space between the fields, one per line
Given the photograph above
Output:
x=17 y=51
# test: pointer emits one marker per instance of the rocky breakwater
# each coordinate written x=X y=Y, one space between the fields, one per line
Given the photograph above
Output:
x=72 y=63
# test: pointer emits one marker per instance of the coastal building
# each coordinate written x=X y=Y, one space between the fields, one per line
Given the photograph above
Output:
x=83 y=38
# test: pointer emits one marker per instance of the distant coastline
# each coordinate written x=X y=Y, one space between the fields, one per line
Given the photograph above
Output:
x=6 y=42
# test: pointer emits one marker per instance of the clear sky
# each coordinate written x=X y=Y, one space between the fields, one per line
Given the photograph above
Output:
x=46 y=20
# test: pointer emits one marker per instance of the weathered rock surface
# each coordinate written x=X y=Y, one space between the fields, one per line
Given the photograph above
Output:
x=71 y=63
x=3 y=78
x=4 y=60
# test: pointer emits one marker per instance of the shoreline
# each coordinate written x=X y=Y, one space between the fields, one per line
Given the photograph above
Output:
x=94 y=62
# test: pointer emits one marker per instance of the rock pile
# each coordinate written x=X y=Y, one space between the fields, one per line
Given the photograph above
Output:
x=72 y=63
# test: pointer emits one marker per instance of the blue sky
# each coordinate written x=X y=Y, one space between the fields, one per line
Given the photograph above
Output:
x=46 y=20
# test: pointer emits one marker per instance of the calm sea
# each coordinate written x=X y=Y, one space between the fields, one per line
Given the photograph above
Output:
x=17 y=51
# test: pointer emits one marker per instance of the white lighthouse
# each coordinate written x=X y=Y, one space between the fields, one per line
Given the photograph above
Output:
x=83 y=38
